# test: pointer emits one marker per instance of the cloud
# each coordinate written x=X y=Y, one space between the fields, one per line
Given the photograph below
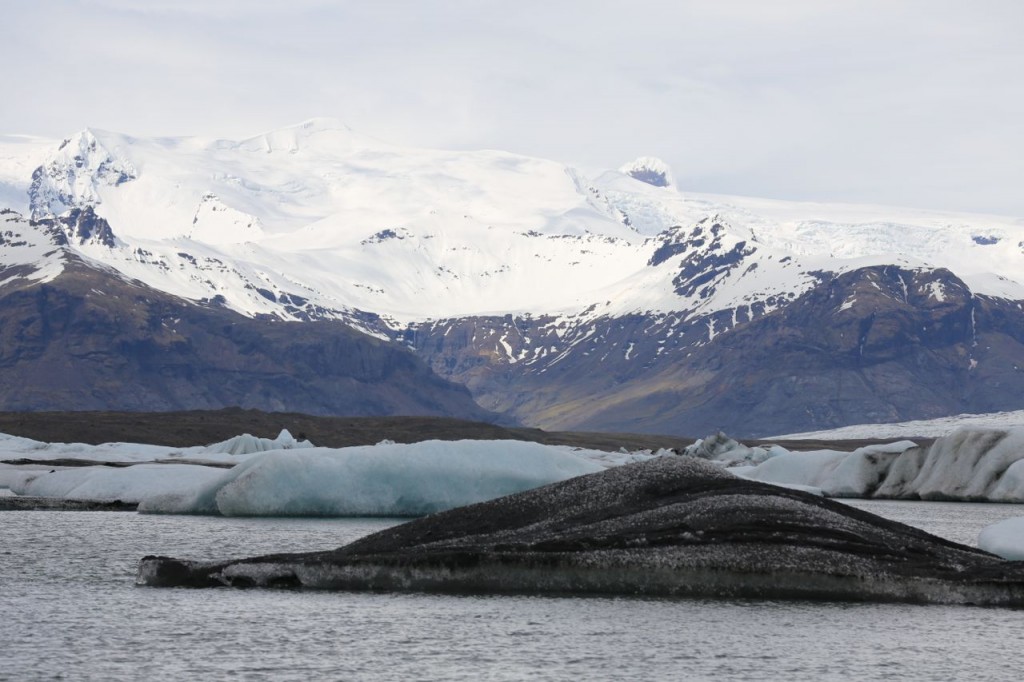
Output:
x=904 y=102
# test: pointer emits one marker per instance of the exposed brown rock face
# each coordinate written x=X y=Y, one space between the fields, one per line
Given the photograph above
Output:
x=90 y=340
x=878 y=344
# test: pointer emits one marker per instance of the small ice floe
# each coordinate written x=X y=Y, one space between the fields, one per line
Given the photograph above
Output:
x=1004 y=538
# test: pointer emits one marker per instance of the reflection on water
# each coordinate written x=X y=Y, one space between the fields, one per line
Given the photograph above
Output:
x=69 y=609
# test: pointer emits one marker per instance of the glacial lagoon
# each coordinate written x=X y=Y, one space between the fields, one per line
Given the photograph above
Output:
x=69 y=610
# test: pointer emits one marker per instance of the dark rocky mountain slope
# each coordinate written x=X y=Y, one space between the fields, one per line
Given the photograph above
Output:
x=91 y=340
x=878 y=344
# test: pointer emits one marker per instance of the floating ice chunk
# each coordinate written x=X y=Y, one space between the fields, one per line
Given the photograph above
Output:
x=969 y=464
x=15 y=448
x=382 y=480
x=1004 y=538
x=247 y=444
x=106 y=484
x=835 y=473
x=9 y=443
x=721 y=448
x=812 y=468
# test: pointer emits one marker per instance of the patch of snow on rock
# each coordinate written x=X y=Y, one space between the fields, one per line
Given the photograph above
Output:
x=650 y=170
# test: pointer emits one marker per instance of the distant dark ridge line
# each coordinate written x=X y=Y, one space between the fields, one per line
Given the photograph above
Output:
x=203 y=427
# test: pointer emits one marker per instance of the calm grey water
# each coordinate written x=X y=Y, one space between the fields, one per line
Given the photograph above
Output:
x=69 y=610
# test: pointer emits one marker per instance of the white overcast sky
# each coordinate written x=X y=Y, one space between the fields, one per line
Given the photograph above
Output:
x=898 y=102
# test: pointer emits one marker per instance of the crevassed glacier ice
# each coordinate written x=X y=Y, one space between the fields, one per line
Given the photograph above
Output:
x=1004 y=538
x=381 y=480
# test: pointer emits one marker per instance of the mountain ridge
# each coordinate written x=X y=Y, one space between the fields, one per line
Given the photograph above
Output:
x=559 y=298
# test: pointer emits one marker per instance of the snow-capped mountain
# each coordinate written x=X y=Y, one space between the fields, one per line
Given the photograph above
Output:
x=557 y=296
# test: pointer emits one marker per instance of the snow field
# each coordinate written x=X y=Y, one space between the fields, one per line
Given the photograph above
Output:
x=429 y=234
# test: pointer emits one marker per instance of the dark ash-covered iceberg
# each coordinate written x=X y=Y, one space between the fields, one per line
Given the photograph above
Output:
x=670 y=526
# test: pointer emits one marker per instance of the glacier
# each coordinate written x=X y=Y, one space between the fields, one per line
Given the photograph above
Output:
x=918 y=428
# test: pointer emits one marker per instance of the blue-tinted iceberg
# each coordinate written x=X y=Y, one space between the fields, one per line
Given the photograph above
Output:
x=131 y=484
x=381 y=480
x=1005 y=538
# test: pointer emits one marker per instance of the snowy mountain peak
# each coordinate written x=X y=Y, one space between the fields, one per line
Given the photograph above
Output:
x=345 y=223
x=73 y=174
x=650 y=170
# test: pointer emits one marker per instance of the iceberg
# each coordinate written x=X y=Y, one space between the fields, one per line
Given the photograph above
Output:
x=1004 y=538
x=730 y=452
x=131 y=484
x=668 y=526
x=15 y=449
x=390 y=479
x=289 y=477
x=247 y=444
x=970 y=464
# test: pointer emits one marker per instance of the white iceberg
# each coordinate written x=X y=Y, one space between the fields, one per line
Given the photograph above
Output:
x=106 y=484
x=14 y=448
x=382 y=480
x=729 y=452
x=1004 y=538
x=968 y=465
x=247 y=444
